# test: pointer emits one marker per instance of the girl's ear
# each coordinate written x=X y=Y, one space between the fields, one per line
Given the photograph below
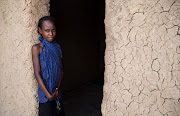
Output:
x=40 y=30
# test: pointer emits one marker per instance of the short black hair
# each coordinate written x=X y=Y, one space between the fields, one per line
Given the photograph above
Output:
x=45 y=18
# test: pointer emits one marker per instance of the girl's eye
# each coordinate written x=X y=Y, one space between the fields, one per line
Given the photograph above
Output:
x=47 y=30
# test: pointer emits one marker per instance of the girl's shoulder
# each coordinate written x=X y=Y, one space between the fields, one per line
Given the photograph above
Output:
x=37 y=48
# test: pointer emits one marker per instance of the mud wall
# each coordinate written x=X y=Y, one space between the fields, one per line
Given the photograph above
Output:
x=18 y=18
x=142 y=58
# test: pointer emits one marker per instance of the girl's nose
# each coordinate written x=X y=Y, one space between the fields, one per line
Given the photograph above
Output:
x=51 y=33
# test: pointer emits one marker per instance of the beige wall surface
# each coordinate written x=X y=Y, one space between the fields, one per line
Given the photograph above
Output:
x=142 y=58
x=18 y=87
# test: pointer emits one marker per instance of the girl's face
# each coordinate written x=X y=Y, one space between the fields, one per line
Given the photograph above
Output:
x=48 y=30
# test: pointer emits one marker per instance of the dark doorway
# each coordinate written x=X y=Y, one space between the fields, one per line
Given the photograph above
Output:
x=81 y=35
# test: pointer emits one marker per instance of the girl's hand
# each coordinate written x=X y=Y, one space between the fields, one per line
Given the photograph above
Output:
x=54 y=94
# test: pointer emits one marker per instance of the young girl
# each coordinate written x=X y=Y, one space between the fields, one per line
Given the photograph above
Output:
x=48 y=69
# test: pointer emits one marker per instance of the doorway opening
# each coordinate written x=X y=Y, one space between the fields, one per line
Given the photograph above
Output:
x=81 y=35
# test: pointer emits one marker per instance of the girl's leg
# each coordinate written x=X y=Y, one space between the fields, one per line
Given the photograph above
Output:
x=48 y=109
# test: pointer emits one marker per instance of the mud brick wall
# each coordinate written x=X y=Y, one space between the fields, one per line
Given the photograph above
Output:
x=18 y=87
x=142 y=58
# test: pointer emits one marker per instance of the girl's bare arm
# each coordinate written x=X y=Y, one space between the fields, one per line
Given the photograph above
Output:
x=37 y=72
x=62 y=72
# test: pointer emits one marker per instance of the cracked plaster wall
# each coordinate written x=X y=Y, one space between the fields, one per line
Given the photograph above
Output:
x=142 y=58
x=18 y=87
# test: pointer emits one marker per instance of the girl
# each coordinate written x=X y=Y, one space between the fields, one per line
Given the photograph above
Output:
x=48 y=69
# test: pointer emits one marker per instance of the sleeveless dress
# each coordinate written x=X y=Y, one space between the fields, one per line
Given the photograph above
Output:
x=50 y=63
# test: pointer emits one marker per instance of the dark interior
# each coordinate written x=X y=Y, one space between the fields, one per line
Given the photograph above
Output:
x=81 y=35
